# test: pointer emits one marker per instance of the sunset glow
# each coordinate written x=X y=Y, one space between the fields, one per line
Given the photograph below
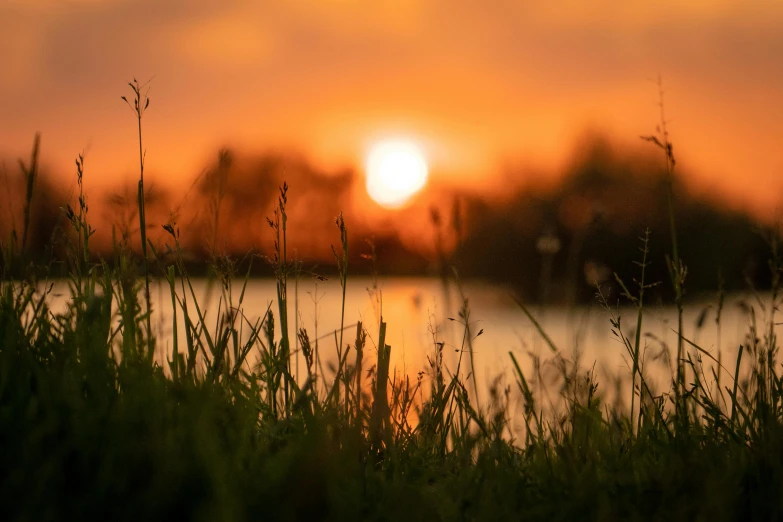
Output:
x=339 y=259
x=396 y=170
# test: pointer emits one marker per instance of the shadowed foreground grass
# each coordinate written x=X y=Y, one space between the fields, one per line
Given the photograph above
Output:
x=98 y=421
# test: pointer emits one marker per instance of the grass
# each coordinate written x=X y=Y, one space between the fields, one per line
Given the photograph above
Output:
x=98 y=421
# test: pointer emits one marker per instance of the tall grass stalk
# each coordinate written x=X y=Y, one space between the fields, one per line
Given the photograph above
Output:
x=677 y=270
x=279 y=225
x=638 y=302
x=30 y=173
x=141 y=102
x=342 y=267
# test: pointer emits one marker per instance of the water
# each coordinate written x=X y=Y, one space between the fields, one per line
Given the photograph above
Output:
x=417 y=312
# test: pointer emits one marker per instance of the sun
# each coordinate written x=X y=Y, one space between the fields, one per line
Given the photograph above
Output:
x=396 y=170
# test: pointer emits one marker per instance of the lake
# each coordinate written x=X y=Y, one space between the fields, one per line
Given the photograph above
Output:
x=415 y=308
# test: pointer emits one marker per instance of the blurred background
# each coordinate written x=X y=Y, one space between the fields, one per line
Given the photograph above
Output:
x=524 y=116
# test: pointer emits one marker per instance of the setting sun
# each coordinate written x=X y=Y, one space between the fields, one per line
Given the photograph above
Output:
x=396 y=170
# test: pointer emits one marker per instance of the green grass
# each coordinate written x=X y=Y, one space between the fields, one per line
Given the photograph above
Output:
x=97 y=421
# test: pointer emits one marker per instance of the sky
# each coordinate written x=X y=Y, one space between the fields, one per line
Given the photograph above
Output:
x=480 y=85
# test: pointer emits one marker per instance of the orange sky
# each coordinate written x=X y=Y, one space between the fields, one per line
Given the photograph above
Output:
x=478 y=83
